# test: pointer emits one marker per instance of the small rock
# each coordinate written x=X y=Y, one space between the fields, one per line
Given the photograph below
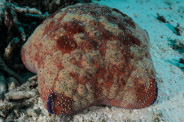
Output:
x=12 y=83
x=18 y=95
x=17 y=113
x=27 y=86
x=3 y=114
x=33 y=112
x=179 y=29
x=161 y=18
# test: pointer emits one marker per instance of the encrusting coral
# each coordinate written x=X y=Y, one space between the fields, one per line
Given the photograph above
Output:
x=87 y=55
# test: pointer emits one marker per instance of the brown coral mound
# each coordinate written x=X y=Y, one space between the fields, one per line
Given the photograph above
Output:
x=87 y=55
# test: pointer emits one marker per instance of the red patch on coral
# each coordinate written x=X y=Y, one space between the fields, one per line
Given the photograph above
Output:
x=66 y=44
x=73 y=27
x=51 y=25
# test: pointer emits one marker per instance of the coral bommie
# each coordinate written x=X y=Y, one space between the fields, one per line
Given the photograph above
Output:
x=87 y=55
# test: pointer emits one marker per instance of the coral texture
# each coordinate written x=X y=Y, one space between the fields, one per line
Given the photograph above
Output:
x=87 y=55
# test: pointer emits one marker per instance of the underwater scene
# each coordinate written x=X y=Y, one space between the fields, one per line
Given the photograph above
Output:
x=91 y=61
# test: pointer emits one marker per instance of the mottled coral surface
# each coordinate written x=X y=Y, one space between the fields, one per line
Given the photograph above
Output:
x=88 y=55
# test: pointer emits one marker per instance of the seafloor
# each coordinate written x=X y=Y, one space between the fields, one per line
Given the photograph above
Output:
x=163 y=20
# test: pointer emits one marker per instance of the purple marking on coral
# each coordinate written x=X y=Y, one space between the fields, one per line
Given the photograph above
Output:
x=50 y=104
